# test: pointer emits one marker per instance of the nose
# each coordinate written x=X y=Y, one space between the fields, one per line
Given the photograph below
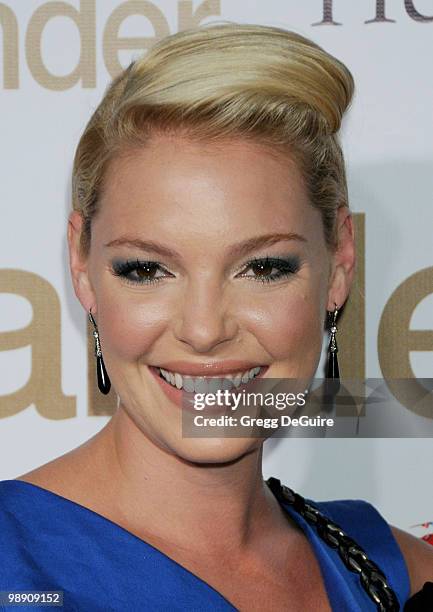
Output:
x=205 y=318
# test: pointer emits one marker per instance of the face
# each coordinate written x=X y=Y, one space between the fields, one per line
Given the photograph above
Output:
x=205 y=255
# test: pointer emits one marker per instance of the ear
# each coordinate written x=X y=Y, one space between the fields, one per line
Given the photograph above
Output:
x=343 y=260
x=79 y=264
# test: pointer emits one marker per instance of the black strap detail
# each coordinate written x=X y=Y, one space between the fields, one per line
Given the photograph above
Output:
x=353 y=556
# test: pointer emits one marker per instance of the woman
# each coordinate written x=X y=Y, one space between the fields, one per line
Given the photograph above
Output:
x=210 y=236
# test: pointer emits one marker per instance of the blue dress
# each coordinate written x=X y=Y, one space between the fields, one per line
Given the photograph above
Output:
x=50 y=543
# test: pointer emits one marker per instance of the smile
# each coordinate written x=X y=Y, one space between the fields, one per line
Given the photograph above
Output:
x=208 y=384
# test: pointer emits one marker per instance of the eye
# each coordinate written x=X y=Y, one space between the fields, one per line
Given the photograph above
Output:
x=139 y=272
x=268 y=269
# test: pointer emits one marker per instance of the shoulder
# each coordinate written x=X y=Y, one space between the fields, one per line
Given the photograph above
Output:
x=370 y=528
x=72 y=475
x=396 y=552
x=418 y=556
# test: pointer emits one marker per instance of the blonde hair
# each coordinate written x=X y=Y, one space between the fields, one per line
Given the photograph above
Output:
x=225 y=80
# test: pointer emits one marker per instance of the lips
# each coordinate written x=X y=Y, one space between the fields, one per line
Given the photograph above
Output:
x=203 y=384
x=211 y=368
x=210 y=384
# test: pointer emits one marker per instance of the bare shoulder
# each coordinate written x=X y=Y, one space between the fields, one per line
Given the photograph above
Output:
x=418 y=556
x=47 y=475
x=67 y=475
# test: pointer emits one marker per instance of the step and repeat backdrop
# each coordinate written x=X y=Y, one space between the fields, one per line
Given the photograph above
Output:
x=56 y=61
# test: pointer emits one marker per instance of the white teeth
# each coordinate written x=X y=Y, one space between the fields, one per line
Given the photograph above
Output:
x=178 y=380
x=237 y=380
x=227 y=383
x=208 y=384
x=214 y=385
x=200 y=385
x=188 y=384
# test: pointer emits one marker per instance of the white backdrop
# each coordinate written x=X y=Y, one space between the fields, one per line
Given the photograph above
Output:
x=387 y=138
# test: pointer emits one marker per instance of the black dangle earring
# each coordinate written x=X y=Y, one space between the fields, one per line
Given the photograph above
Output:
x=332 y=369
x=104 y=383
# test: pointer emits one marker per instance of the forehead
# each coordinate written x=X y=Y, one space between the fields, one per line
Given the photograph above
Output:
x=231 y=182
x=175 y=161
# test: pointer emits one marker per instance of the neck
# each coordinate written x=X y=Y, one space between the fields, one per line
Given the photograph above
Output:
x=194 y=506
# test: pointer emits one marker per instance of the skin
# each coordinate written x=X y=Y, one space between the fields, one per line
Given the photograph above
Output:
x=205 y=311
x=201 y=200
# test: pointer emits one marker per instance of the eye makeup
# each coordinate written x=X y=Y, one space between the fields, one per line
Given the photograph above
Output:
x=270 y=269
x=136 y=271
x=265 y=269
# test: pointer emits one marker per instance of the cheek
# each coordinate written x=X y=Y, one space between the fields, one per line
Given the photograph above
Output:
x=130 y=325
x=290 y=325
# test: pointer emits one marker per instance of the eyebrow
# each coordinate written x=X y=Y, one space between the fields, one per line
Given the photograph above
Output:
x=237 y=250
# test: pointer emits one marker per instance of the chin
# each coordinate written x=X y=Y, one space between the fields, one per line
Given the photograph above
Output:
x=215 y=450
